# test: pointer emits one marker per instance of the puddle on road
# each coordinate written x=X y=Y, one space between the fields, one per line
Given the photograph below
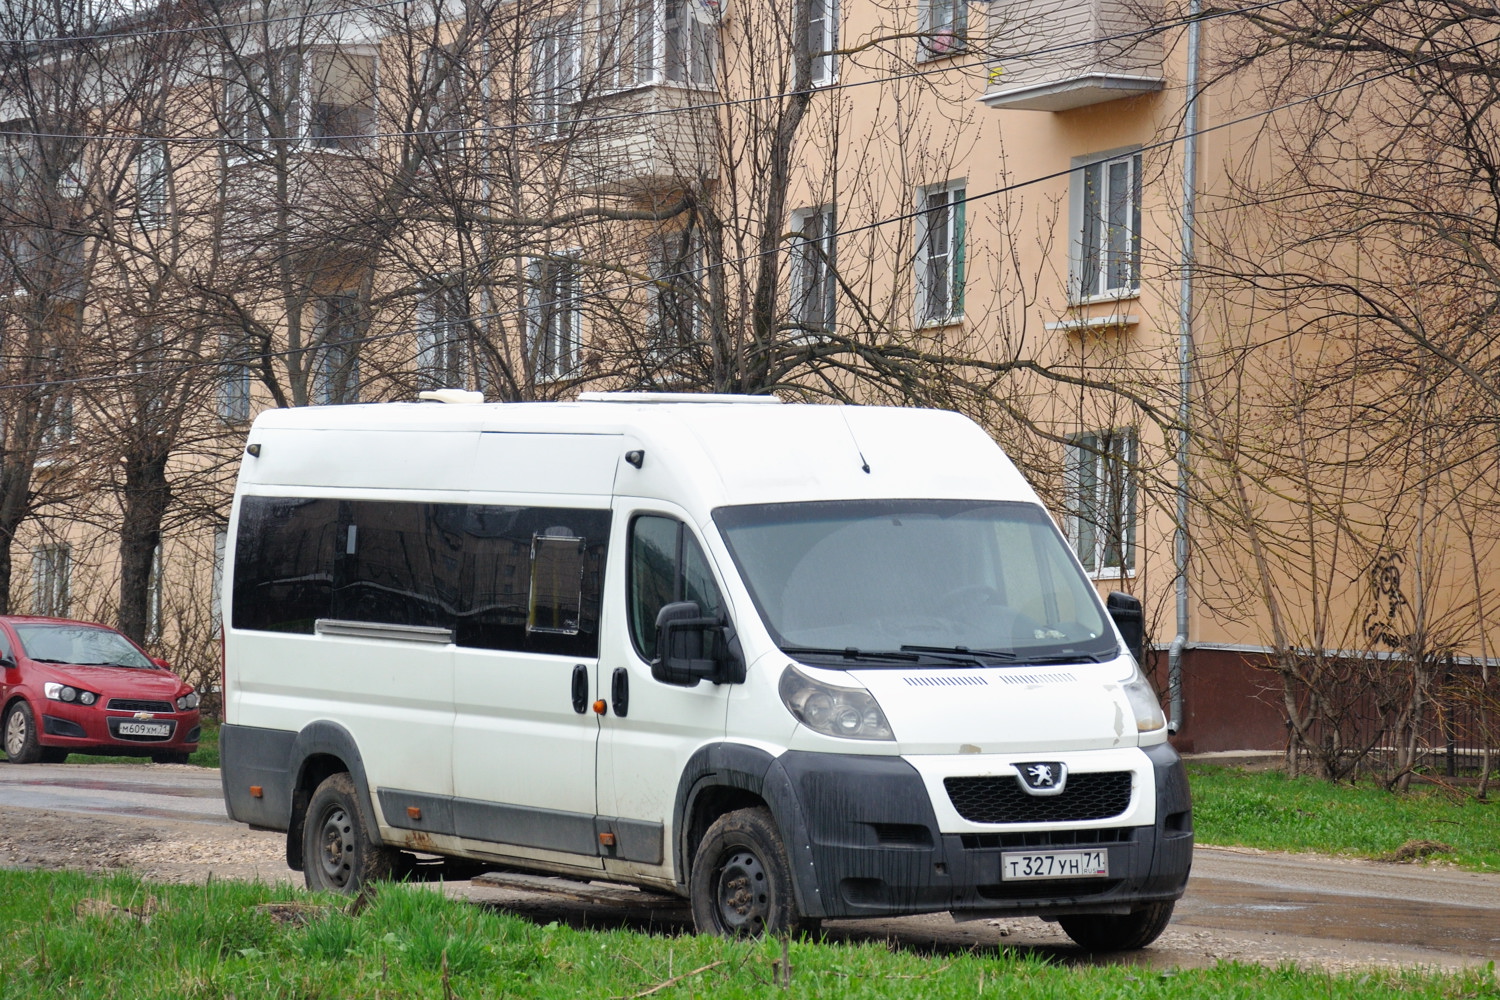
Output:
x=1235 y=906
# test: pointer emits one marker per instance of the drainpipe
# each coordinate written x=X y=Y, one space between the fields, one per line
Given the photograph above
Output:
x=1184 y=364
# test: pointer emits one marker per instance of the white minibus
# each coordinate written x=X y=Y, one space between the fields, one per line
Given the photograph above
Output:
x=791 y=662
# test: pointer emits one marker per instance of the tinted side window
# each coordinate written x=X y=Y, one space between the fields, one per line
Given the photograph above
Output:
x=666 y=565
x=283 y=570
x=514 y=578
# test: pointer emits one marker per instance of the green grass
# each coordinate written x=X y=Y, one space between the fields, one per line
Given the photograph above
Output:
x=1266 y=809
x=207 y=755
x=68 y=934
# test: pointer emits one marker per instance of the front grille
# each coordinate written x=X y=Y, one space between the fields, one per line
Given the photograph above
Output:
x=133 y=705
x=1047 y=838
x=999 y=798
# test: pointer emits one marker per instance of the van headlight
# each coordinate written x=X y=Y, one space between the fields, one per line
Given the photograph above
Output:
x=1142 y=698
x=848 y=713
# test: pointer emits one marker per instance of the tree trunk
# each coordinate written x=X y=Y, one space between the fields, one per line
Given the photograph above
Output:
x=145 y=501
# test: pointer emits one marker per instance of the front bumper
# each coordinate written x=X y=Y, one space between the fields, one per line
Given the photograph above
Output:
x=83 y=729
x=865 y=841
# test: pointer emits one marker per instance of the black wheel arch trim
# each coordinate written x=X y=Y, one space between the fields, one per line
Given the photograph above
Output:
x=750 y=770
x=327 y=739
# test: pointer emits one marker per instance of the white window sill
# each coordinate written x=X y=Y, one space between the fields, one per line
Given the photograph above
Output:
x=1116 y=322
x=1113 y=573
x=942 y=323
x=1117 y=296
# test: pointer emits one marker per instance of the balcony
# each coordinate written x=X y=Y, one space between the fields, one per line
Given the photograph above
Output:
x=1072 y=53
x=645 y=141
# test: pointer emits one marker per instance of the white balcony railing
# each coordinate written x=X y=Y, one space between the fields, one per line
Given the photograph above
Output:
x=1055 y=55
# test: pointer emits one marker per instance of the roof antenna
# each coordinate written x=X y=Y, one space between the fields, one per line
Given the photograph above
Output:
x=863 y=462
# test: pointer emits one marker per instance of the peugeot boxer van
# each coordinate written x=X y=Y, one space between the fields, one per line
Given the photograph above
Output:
x=791 y=662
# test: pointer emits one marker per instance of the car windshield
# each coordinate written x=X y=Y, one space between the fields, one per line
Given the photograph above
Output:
x=82 y=645
x=916 y=583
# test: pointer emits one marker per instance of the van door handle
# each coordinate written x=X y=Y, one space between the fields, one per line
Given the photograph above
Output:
x=619 y=690
x=580 y=688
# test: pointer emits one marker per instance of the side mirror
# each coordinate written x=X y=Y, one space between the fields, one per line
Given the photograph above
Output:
x=1125 y=610
x=691 y=648
x=161 y=663
x=7 y=663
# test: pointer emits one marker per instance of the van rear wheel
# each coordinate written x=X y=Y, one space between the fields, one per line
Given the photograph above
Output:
x=337 y=853
x=741 y=883
x=1127 y=932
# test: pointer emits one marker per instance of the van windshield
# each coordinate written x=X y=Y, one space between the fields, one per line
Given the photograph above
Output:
x=916 y=583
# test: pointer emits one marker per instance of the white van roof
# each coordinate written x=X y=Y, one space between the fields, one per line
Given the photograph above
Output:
x=695 y=450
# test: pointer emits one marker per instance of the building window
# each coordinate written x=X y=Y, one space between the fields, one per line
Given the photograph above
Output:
x=51 y=571
x=677 y=276
x=232 y=397
x=442 y=337
x=945 y=28
x=57 y=429
x=813 y=275
x=554 y=75
x=341 y=99
x=1101 y=489
x=336 y=372
x=626 y=43
x=324 y=95
x=554 y=316
x=822 y=40
x=152 y=170
x=940 y=254
x=690 y=40
x=1107 y=228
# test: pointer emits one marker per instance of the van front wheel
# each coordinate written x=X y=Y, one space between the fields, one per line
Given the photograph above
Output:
x=337 y=855
x=741 y=884
x=1127 y=932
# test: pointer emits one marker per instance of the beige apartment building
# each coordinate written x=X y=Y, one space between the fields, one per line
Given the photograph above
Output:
x=1075 y=221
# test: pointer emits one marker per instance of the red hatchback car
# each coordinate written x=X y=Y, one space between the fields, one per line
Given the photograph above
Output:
x=75 y=687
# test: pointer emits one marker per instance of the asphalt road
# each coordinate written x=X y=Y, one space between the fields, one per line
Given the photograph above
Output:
x=169 y=822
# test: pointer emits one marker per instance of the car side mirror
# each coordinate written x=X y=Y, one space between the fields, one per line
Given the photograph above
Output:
x=692 y=648
x=161 y=663
x=1125 y=610
x=7 y=663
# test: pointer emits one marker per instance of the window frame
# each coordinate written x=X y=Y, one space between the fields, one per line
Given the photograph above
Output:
x=1094 y=261
x=814 y=270
x=554 y=352
x=1103 y=508
x=555 y=74
x=232 y=393
x=52 y=579
x=153 y=175
x=677 y=276
x=823 y=41
x=335 y=373
x=949 y=220
x=442 y=336
x=944 y=29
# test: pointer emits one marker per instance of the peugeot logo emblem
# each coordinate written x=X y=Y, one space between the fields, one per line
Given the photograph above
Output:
x=1042 y=777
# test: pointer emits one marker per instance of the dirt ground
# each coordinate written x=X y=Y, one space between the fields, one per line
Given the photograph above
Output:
x=168 y=849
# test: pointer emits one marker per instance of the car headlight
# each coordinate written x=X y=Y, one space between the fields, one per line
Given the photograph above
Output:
x=68 y=693
x=1138 y=691
x=848 y=713
x=187 y=701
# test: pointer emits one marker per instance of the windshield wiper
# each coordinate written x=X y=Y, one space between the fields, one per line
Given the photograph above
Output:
x=1049 y=660
x=852 y=653
x=964 y=653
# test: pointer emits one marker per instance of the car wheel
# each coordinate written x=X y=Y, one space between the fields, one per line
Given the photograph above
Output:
x=1100 y=932
x=741 y=883
x=337 y=855
x=20 y=735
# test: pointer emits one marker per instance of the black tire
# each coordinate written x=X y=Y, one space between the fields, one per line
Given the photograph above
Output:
x=21 y=745
x=169 y=757
x=337 y=855
x=741 y=883
x=1119 y=933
